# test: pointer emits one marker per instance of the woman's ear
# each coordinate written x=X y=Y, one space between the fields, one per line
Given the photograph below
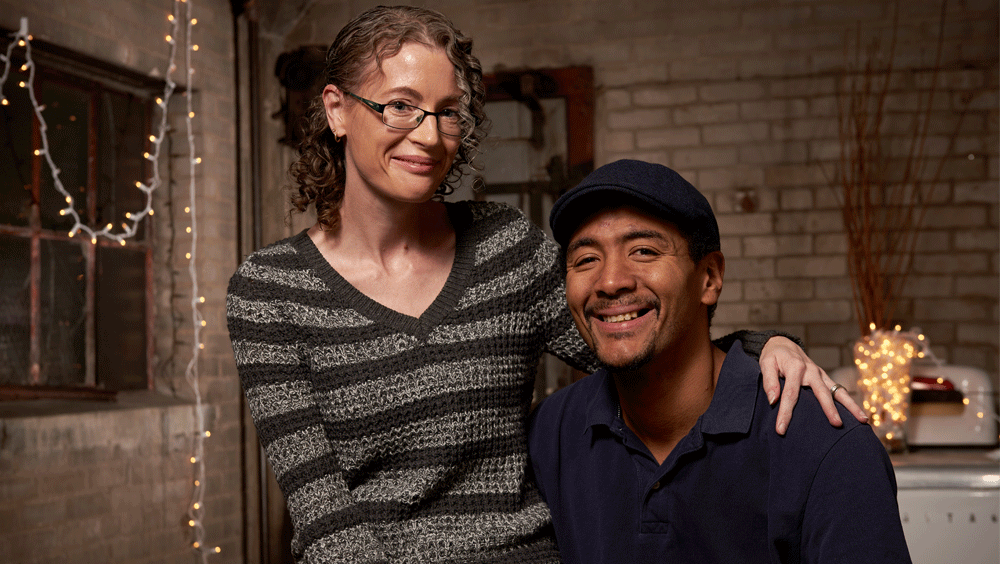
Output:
x=333 y=102
x=714 y=269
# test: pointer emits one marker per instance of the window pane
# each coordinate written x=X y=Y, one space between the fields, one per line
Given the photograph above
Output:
x=62 y=330
x=121 y=318
x=15 y=310
x=66 y=114
x=120 y=146
x=15 y=153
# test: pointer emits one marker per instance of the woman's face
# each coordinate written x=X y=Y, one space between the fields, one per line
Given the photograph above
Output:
x=398 y=164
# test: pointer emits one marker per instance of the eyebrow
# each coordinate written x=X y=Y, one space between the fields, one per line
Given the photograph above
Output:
x=410 y=92
x=630 y=236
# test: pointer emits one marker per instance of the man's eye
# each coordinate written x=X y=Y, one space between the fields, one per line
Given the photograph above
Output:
x=583 y=261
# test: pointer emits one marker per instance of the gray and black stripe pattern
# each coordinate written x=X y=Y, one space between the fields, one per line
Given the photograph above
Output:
x=402 y=439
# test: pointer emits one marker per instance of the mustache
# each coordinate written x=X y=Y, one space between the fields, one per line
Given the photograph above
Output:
x=604 y=304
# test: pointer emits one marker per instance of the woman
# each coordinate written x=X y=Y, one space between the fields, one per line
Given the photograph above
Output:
x=388 y=353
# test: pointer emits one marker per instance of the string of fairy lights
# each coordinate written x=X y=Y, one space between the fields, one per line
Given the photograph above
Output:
x=22 y=39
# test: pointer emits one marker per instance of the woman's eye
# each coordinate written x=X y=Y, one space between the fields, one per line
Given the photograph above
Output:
x=398 y=107
x=449 y=113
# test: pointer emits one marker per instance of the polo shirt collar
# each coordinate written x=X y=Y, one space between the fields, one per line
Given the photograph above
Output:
x=731 y=410
x=602 y=409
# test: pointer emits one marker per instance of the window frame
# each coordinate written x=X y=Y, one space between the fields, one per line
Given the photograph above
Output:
x=63 y=66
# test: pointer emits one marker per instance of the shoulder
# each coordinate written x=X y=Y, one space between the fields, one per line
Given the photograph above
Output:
x=810 y=436
x=503 y=235
x=567 y=406
x=280 y=267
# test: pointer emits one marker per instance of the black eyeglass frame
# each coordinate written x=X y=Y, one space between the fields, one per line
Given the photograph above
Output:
x=380 y=108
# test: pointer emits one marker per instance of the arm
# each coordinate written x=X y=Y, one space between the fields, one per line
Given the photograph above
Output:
x=851 y=514
x=329 y=524
x=781 y=355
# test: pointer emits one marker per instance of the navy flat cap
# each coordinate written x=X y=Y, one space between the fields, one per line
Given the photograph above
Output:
x=653 y=188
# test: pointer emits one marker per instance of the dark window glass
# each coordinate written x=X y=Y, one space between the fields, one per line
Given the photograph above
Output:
x=74 y=312
x=15 y=309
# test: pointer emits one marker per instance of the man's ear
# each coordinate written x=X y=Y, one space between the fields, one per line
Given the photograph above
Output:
x=713 y=267
x=333 y=102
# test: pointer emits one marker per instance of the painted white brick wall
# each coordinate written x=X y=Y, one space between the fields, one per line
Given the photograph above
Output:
x=740 y=97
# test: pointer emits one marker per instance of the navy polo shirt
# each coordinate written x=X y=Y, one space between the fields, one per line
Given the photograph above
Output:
x=732 y=490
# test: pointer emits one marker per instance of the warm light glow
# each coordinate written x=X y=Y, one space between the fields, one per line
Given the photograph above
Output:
x=883 y=360
x=965 y=401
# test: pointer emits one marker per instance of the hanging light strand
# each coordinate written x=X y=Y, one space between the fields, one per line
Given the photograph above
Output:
x=196 y=507
x=130 y=227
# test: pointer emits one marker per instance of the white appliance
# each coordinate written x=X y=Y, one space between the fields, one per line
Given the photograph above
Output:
x=948 y=483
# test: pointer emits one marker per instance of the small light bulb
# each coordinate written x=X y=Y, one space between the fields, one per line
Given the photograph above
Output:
x=187 y=256
x=191 y=114
x=196 y=505
x=202 y=299
x=203 y=323
x=193 y=460
x=188 y=230
x=208 y=433
x=194 y=21
x=194 y=47
x=191 y=523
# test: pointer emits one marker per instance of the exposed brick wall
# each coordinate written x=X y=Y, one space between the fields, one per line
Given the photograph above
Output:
x=740 y=96
x=85 y=484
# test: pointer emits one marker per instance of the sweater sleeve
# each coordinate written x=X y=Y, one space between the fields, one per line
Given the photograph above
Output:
x=562 y=339
x=330 y=525
x=753 y=341
x=851 y=513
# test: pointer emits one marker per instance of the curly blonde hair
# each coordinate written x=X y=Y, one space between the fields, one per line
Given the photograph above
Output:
x=378 y=33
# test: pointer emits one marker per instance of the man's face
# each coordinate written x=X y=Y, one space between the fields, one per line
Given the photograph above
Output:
x=633 y=289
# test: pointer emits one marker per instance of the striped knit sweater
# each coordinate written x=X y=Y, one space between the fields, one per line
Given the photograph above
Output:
x=402 y=439
x=397 y=439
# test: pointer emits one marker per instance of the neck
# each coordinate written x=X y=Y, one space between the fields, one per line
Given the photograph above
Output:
x=661 y=401
x=379 y=229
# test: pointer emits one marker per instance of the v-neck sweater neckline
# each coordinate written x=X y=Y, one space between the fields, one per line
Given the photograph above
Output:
x=446 y=301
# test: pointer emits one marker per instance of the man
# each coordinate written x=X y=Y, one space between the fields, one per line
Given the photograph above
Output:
x=668 y=454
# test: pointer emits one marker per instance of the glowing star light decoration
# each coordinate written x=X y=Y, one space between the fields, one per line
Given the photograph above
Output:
x=883 y=359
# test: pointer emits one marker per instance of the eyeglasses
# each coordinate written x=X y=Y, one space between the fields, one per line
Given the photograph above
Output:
x=404 y=116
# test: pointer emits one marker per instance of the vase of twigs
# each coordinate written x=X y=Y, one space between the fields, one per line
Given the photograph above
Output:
x=884 y=202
